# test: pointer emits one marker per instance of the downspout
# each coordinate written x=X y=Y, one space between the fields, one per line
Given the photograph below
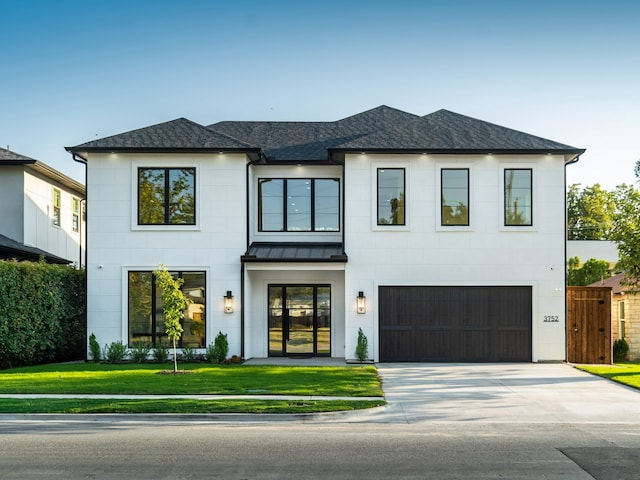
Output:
x=80 y=159
x=566 y=241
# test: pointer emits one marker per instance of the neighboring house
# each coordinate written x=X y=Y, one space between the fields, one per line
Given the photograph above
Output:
x=442 y=237
x=43 y=212
x=625 y=313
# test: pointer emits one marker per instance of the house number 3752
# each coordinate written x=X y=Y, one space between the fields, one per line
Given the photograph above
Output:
x=551 y=318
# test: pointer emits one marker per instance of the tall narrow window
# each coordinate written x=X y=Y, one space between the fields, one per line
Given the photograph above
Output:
x=76 y=214
x=56 y=206
x=145 y=312
x=454 y=196
x=166 y=196
x=298 y=205
x=391 y=196
x=621 y=315
x=518 y=204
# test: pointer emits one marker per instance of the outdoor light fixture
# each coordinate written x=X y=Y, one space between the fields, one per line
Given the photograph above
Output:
x=228 y=302
x=362 y=304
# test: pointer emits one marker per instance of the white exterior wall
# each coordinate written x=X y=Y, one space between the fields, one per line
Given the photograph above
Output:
x=12 y=201
x=485 y=253
x=39 y=230
x=118 y=244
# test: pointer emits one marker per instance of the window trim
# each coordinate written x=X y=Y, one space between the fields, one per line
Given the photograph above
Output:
x=75 y=214
x=376 y=193
x=312 y=210
x=438 y=191
x=135 y=166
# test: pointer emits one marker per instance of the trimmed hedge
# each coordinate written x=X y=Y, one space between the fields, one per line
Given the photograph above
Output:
x=42 y=313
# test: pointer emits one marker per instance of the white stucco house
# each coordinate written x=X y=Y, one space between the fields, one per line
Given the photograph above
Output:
x=43 y=212
x=441 y=236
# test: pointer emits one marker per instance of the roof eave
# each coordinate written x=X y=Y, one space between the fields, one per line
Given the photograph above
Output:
x=463 y=151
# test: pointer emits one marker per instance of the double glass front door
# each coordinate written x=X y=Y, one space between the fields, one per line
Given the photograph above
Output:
x=299 y=320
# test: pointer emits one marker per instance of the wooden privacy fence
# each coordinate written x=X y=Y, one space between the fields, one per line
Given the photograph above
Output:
x=589 y=325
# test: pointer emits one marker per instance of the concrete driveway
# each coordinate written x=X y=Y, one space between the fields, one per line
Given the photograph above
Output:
x=500 y=393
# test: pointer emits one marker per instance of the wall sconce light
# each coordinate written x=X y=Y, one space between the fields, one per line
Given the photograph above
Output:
x=228 y=302
x=362 y=302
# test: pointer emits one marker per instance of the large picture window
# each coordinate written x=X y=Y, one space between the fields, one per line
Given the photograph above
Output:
x=391 y=196
x=145 y=312
x=166 y=196
x=298 y=205
x=454 y=196
x=518 y=193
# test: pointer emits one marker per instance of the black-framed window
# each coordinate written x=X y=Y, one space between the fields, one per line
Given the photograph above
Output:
x=146 y=316
x=518 y=197
x=166 y=196
x=391 y=196
x=298 y=205
x=454 y=193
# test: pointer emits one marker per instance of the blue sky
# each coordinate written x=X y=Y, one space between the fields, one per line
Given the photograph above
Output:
x=568 y=70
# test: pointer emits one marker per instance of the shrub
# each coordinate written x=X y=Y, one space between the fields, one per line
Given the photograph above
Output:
x=620 y=350
x=189 y=354
x=42 y=313
x=362 y=347
x=139 y=353
x=219 y=350
x=115 y=352
x=161 y=354
x=94 y=348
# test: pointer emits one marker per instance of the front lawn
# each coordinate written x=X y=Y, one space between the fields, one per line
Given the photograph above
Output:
x=626 y=373
x=148 y=379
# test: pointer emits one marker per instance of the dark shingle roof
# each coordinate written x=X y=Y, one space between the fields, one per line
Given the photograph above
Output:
x=10 y=249
x=179 y=134
x=295 y=252
x=445 y=130
x=616 y=282
x=290 y=141
x=381 y=128
x=12 y=158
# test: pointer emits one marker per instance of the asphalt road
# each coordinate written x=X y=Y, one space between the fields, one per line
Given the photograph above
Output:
x=199 y=449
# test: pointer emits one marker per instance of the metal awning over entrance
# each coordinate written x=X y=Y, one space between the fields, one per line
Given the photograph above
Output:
x=295 y=252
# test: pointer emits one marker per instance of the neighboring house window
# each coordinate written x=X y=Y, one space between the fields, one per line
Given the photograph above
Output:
x=518 y=197
x=166 y=196
x=621 y=315
x=76 y=214
x=391 y=196
x=298 y=205
x=56 y=206
x=146 y=317
x=454 y=196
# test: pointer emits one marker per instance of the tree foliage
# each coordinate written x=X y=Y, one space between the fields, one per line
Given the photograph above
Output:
x=592 y=271
x=626 y=232
x=590 y=212
x=174 y=304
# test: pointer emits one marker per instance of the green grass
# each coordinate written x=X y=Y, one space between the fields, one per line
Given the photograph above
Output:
x=625 y=373
x=181 y=406
x=148 y=379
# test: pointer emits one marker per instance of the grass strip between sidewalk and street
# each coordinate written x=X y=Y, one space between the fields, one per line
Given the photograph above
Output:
x=194 y=379
x=625 y=373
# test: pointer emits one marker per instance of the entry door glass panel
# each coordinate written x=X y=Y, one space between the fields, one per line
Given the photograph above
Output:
x=299 y=312
x=299 y=320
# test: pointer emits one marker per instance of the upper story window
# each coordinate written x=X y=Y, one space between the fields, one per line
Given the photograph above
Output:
x=298 y=205
x=391 y=196
x=166 y=196
x=75 y=222
x=518 y=193
x=454 y=196
x=56 y=206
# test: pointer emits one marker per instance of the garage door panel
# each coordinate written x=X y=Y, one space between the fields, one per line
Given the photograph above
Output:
x=469 y=323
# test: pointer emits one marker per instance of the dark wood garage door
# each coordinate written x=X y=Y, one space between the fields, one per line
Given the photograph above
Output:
x=455 y=324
